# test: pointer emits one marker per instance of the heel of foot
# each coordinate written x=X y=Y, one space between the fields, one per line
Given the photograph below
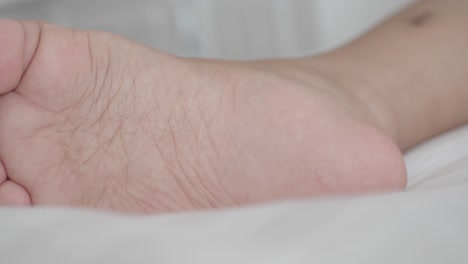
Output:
x=384 y=168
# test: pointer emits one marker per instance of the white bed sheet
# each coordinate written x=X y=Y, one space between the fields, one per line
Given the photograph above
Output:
x=426 y=224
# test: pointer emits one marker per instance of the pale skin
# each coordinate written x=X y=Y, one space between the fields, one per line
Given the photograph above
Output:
x=89 y=119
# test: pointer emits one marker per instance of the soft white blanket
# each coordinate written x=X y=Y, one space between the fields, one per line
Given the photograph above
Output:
x=426 y=224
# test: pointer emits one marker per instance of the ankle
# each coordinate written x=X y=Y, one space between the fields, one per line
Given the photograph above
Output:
x=356 y=91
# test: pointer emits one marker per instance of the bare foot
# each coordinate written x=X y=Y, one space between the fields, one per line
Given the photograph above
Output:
x=89 y=119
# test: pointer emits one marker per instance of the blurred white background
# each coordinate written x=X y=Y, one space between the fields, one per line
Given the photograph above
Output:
x=230 y=29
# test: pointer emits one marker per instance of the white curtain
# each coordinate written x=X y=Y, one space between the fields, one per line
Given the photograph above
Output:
x=231 y=29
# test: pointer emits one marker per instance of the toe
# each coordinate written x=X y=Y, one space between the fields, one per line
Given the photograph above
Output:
x=3 y=176
x=12 y=194
x=18 y=42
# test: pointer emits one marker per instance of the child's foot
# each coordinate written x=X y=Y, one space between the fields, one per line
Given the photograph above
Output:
x=92 y=120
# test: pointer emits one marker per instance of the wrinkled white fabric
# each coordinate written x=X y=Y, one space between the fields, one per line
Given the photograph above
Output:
x=439 y=162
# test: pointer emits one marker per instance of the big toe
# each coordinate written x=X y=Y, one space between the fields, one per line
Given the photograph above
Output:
x=12 y=194
x=17 y=44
